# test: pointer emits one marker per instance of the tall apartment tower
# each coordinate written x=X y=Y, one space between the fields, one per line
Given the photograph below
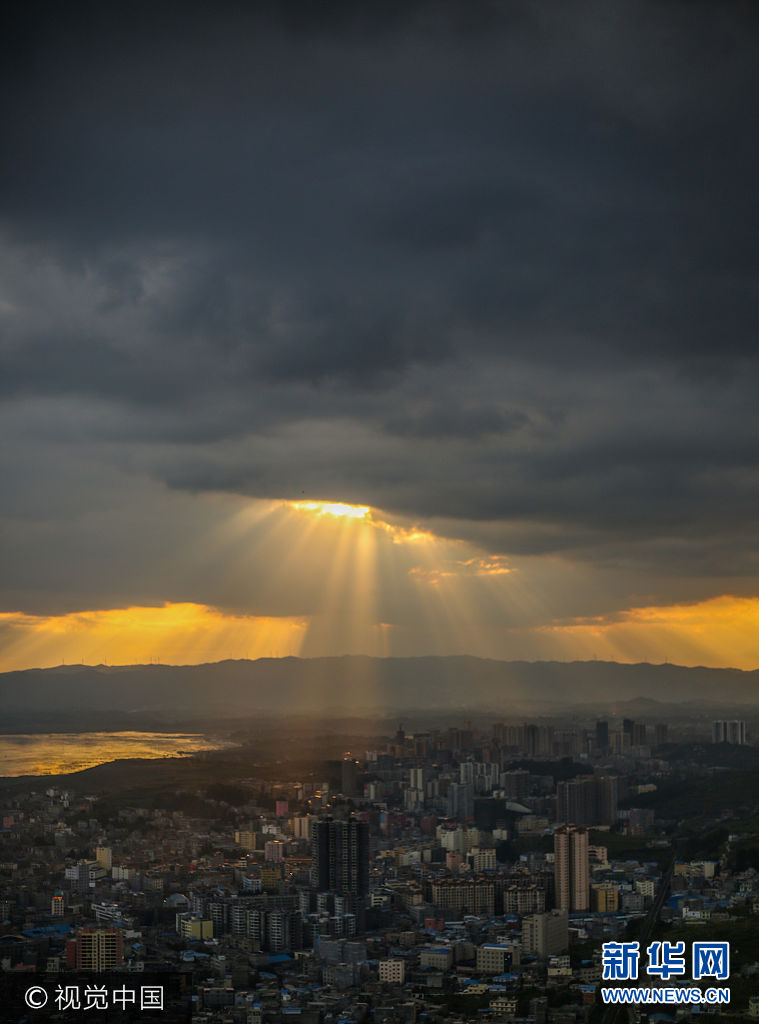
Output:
x=350 y=779
x=572 y=868
x=95 y=949
x=340 y=856
x=660 y=734
x=729 y=732
x=546 y=934
x=104 y=857
x=602 y=736
x=588 y=800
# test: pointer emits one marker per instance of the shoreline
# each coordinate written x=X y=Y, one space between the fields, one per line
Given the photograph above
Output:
x=43 y=755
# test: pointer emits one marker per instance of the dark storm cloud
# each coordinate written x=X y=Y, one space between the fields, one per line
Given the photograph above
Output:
x=489 y=262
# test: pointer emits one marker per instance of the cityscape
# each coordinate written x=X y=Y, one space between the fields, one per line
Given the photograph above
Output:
x=379 y=603
x=468 y=872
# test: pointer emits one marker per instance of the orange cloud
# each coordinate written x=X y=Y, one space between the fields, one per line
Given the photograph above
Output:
x=718 y=632
x=493 y=565
x=183 y=633
x=366 y=515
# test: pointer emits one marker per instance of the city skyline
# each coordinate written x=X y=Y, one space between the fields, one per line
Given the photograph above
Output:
x=402 y=330
x=446 y=871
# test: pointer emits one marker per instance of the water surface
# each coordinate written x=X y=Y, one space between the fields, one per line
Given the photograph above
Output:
x=56 y=753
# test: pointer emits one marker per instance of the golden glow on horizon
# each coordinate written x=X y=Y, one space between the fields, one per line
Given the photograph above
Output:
x=319 y=578
x=685 y=634
x=314 y=578
x=719 y=632
x=184 y=633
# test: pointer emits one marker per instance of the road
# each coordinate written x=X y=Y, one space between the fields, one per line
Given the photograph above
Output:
x=612 y=1009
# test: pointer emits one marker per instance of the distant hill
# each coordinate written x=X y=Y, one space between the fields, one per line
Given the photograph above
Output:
x=352 y=685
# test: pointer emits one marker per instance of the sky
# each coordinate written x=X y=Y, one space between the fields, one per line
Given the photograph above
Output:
x=390 y=328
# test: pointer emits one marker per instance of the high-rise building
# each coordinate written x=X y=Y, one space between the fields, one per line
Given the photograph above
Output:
x=571 y=868
x=588 y=800
x=83 y=875
x=95 y=949
x=245 y=838
x=104 y=857
x=274 y=851
x=340 y=856
x=576 y=800
x=604 y=897
x=283 y=931
x=531 y=740
x=729 y=732
x=602 y=736
x=461 y=800
x=194 y=928
x=301 y=826
x=481 y=859
x=639 y=734
x=546 y=934
x=469 y=895
x=660 y=734
x=350 y=776
x=620 y=742
x=523 y=900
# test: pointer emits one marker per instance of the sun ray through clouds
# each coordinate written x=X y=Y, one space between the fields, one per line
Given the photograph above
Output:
x=317 y=578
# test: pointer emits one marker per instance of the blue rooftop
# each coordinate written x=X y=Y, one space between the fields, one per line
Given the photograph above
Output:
x=47 y=929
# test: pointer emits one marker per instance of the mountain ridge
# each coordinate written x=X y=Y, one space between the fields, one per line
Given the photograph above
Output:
x=361 y=682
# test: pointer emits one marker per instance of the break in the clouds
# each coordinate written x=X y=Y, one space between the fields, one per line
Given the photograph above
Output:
x=489 y=268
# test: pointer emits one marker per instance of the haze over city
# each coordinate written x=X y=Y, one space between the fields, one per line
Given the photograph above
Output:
x=379 y=604
x=395 y=329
